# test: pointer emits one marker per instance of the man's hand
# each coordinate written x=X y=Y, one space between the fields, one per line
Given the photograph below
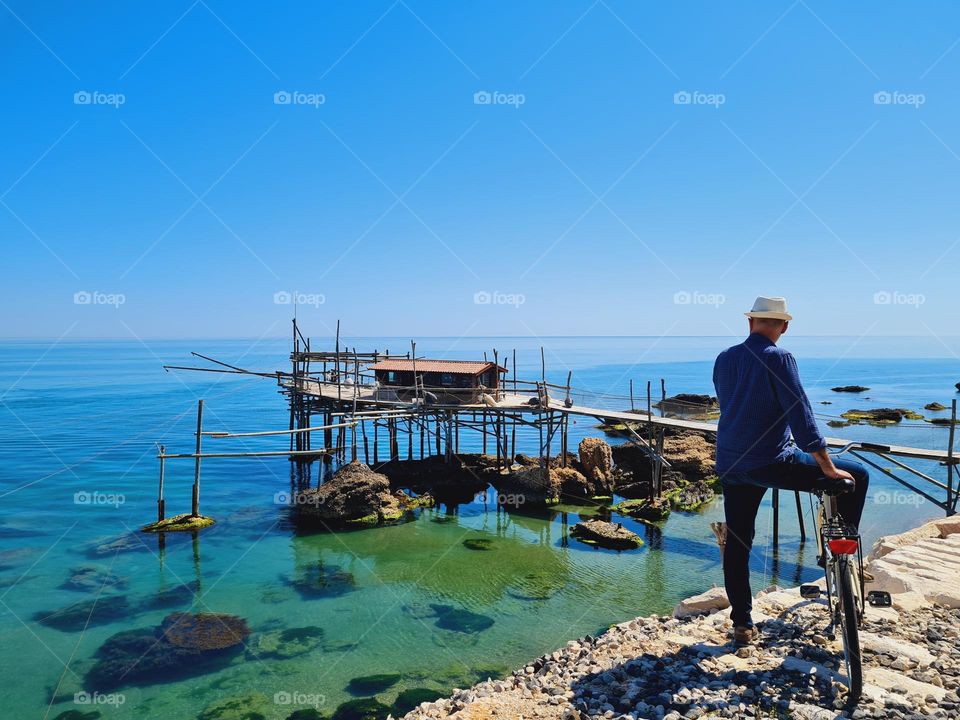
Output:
x=836 y=473
x=827 y=467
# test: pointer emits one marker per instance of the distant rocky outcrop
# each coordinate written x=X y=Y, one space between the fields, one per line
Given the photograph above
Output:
x=850 y=388
x=689 y=405
x=880 y=416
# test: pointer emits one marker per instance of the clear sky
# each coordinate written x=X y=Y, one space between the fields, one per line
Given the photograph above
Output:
x=187 y=168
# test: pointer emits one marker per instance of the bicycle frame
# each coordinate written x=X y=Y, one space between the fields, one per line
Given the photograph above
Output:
x=832 y=533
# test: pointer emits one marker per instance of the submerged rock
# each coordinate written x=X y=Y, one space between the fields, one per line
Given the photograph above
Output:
x=90 y=578
x=246 y=707
x=320 y=581
x=371 y=684
x=170 y=597
x=478 y=544
x=88 y=613
x=460 y=619
x=79 y=715
x=410 y=698
x=362 y=709
x=605 y=534
x=288 y=643
x=204 y=631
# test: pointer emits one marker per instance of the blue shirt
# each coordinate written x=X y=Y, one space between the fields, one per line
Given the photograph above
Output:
x=761 y=402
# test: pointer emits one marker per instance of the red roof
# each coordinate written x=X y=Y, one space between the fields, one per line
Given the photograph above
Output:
x=456 y=367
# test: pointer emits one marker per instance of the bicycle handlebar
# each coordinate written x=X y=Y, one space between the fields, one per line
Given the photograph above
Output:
x=860 y=446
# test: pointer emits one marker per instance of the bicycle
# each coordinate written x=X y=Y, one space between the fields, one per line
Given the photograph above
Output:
x=841 y=557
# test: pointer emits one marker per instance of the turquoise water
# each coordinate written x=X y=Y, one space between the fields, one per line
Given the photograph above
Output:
x=79 y=421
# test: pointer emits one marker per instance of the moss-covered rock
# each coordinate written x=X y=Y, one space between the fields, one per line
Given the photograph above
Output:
x=934 y=406
x=180 y=523
x=204 y=631
x=372 y=684
x=649 y=509
x=880 y=416
x=79 y=715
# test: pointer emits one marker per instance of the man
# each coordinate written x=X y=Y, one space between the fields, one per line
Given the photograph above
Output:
x=761 y=403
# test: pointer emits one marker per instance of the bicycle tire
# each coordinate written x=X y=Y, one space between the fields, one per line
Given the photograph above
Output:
x=849 y=619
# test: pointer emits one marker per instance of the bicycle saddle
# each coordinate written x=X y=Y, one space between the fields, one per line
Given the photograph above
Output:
x=840 y=487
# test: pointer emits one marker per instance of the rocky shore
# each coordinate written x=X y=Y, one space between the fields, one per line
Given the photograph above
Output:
x=687 y=667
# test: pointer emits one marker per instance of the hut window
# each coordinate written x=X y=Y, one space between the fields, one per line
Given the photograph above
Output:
x=446 y=379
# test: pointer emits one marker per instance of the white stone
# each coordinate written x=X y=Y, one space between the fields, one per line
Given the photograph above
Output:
x=705 y=603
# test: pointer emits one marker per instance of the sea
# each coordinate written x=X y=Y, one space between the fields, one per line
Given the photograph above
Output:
x=421 y=604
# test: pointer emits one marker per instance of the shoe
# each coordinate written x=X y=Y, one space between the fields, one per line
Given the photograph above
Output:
x=743 y=635
x=841 y=486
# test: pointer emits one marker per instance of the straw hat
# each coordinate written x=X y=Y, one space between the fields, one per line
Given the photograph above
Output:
x=774 y=308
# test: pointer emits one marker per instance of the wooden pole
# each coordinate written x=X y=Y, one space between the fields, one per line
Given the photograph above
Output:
x=195 y=505
x=951 y=501
x=160 y=504
x=631 y=396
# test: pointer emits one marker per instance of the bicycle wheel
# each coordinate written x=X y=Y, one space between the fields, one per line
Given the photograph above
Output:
x=851 y=630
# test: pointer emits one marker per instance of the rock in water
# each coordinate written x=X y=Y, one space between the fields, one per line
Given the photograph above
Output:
x=605 y=534
x=362 y=709
x=372 y=684
x=850 y=388
x=354 y=496
x=460 y=620
x=246 y=707
x=597 y=460
x=204 y=631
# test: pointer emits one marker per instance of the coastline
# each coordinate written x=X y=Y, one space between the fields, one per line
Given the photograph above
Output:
x=686 y=666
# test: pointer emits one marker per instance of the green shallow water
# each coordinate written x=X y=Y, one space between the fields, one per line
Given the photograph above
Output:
x=411 y=599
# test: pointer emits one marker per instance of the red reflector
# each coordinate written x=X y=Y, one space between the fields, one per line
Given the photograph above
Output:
x=843 y=546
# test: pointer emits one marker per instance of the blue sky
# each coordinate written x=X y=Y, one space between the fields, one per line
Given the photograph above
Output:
x=477 y=168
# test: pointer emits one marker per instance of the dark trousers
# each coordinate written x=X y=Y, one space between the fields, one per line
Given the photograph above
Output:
x=742 y=493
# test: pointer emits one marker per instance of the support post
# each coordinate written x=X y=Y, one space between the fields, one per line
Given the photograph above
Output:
x=803 y=529
x=951 y=495
x=160 y=503
x=195 y=505
x=776 y=517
